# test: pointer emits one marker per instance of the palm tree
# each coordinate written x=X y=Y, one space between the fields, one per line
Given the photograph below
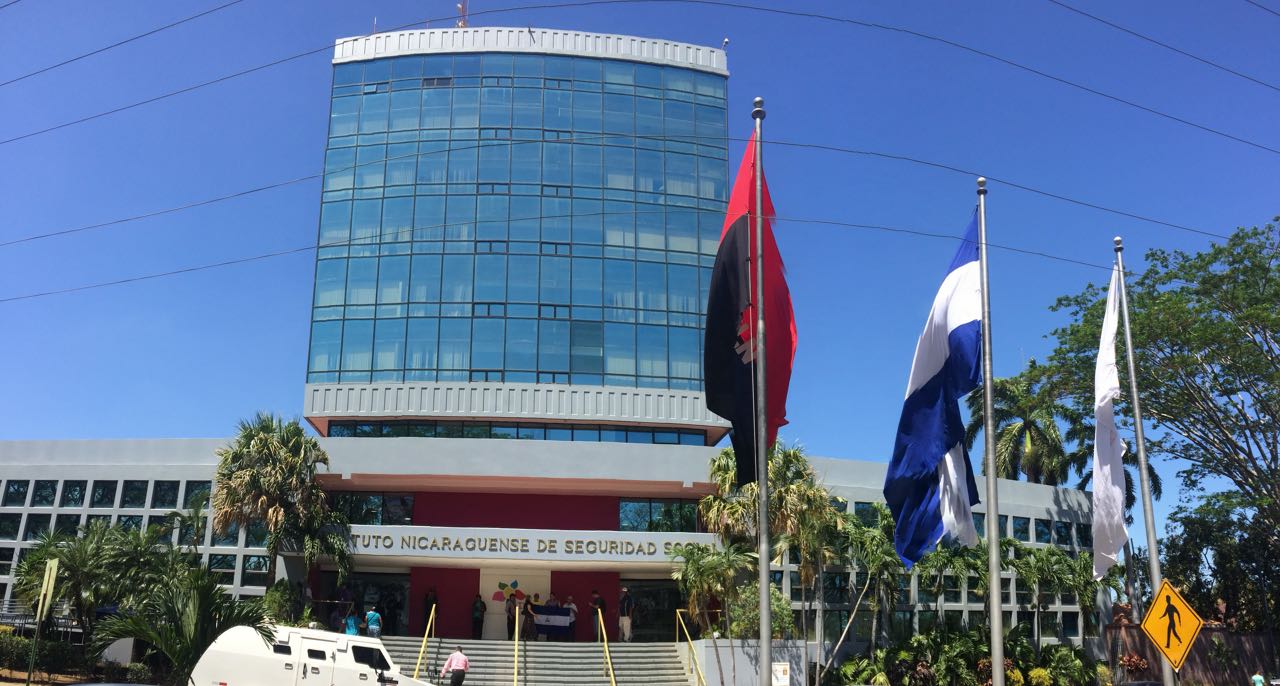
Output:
x=701 y=577
x=1046 y=570
x=869 y=547
x=85 y=578
x=268 y=474
x=181 y=619
x=1028 y=440
x=953 y=559
x=1081 y=460
x=1079 y=581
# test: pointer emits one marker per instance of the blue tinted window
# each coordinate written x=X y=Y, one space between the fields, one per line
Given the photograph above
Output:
x=495 y=233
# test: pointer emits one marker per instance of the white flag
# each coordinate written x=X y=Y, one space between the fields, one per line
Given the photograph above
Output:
x=1109 y=534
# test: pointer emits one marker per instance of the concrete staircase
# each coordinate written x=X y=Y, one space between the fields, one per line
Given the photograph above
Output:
x=546 y=662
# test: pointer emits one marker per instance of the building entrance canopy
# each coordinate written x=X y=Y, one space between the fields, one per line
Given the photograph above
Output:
x=437 y=545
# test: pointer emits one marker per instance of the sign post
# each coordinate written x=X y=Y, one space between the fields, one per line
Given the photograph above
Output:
x=1171 y=625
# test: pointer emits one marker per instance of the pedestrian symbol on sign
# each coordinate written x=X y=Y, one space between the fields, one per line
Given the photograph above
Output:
x=1172 y=613
x=1171 y=625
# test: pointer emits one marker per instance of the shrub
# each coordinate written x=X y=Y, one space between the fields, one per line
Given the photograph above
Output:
x=14 y=651
x=1039 y=677
x=113 y=672
x=1013 y=677
x=138 y=673
x=57 y=657
x=1104 y=674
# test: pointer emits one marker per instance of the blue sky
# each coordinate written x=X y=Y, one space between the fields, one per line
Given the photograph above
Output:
x=189 y=355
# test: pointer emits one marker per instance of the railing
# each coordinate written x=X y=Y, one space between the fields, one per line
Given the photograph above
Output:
x=604 y=637
x=693 y=656
x=426 y=635
x=515 y=641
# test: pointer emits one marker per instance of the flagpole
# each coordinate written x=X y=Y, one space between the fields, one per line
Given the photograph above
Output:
x=1148 y=515
x=762 y=431
x=995 y=612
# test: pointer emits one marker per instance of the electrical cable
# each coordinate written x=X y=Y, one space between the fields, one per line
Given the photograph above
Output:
x=367 y=240
x=1166 y=46
x=581 y=138
x=101 y=50
x=10 y=4
x=713 y=3
x=1255 y=3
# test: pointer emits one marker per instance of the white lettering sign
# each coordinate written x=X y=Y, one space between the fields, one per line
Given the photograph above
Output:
x=530 y=544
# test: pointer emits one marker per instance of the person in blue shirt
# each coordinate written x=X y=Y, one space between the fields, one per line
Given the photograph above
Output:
x=373 y=623
x=351 y=625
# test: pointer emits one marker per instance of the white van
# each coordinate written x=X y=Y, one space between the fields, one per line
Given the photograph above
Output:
x=297 y=657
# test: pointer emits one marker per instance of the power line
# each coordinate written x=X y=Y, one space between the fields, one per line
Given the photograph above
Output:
x=10 y=4
x=369 y=240
x=283 y=60
x=792 y=144
x=101 y=50
x=713 y=3
x=1255 y=3
x=982 y=53
x=1166 y=46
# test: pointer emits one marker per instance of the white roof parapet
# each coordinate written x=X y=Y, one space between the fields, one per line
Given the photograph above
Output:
x=530 y=40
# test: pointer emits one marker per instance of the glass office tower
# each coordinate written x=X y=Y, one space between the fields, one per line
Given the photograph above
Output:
x=518 y=206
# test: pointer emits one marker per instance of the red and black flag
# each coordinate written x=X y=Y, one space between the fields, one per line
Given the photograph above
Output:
x=731 y=322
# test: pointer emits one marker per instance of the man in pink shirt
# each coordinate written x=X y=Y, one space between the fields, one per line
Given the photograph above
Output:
x=456 y=667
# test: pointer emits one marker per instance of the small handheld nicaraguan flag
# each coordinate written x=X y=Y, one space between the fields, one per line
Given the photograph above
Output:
x=1109 y=534
x=729 y=349
x=929 y=485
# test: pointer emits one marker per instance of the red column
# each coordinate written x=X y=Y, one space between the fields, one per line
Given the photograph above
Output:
x=455 y=589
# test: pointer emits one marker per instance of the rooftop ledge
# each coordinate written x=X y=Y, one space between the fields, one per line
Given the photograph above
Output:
x=527 y=402
x=532 y=41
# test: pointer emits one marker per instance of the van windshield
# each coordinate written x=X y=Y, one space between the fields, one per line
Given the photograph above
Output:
x=370 y=656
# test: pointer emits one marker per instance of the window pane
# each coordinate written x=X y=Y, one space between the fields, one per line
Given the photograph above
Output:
x=104 y=494
x=487 y=344
x=164 y=495
x=553 y=346
x=15 y=493
x=1022 y=529
x=1043 y=531
x=36 y=524
x=389 y=344
x=44 y=493
x=633 y=515
x=522 y=344
x=455 y=344
x=134 y=494
x=420 y=348
x=73 y=493
x=197 y=493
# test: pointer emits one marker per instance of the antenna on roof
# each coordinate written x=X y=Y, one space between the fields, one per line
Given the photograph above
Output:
x=724 y=44
x=375 y=25
x=462 y=14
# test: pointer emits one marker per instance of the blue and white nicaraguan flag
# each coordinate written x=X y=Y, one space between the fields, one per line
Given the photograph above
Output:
x=929 y=485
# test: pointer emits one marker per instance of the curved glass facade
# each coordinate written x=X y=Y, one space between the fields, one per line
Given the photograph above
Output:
x=518 y=218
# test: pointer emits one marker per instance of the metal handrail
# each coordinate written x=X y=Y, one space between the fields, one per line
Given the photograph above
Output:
x=429 y=633
x=604 y=636
x=515 y=640
x=689 y=645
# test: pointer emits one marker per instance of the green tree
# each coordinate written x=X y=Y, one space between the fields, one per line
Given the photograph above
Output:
x=700 y=574
x=1206 y=335
x=1028 y=438
x=1223 y=558
x=268 y=474
x=951 y=559
x=868 y=547
x=86 y=579
x=1045 y=569
x=181 y=619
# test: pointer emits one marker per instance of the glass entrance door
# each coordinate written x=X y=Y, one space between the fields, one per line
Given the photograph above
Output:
x=656 y=603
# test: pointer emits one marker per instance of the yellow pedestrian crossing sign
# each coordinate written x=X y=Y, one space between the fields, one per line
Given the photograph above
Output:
x=1171 y=624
